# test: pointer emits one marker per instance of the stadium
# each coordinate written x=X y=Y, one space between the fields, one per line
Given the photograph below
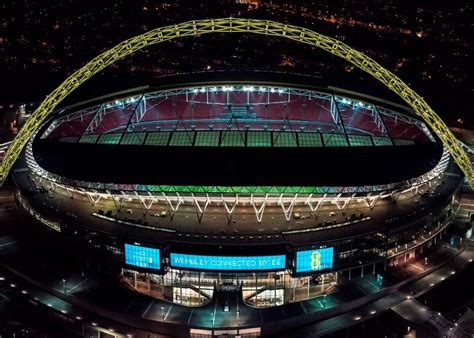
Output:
x=277 y=191
x=272 y=201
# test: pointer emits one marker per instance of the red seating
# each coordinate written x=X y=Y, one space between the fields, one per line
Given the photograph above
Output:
x=115 y=118
x=238 y=98
x=75 y=127
x=400 y=129
x=201 y=109
x=358 y=120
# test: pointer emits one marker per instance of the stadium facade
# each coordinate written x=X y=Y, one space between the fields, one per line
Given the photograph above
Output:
x=275 y=190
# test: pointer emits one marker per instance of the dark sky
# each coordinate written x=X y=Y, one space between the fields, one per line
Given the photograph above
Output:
x=428 y=45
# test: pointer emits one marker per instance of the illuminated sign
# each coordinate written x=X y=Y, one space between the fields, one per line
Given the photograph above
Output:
x=233 y=263
x=314 y=260
x=142 y=257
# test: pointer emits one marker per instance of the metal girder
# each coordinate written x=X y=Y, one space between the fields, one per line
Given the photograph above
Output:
x=287 y=210
x=379 y=122
x=336 y=116
x=229 y=211
x=237 y=25
x=313 y=207
x=119 y=200
x=259 y=209
x=173 y=208
x=200 y=210
x=94 y=197
x=146 y=201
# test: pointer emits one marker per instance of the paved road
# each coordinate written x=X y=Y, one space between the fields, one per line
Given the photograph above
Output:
x=77 y=291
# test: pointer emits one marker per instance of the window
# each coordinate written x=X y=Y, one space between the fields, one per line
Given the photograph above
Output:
x=207 y=139
x=335 y=140
x=158 y=138
x=182 y=138
x=89 y=139
x=382 y=141
x=110 y=138
x=403 y=142
x=70 y=139
x=284 y=139
x=359 y=141
x=133 y=138
x=259 y=139
x=310 y=140
x=233 y=139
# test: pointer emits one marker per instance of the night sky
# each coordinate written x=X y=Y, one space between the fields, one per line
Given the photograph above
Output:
x=428 y=45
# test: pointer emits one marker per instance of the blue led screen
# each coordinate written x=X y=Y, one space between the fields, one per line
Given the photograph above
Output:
x=228 y=263
x=142 y=256
x=314 y=260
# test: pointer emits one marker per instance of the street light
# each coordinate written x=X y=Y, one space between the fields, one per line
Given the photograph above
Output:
x=64 y=285
x=163 y=313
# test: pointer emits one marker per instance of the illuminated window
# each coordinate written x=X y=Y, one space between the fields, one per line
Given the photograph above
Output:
x=110 y=138
x=284 y=139
x=133 y=138
x=232 y=138
x=309 y=140
x=381 y=141
x=335 y=140
x=182 y=138
x=259 y=139
x=158 y=138
x=207 y=139
x=360 y=141
x=89 y=139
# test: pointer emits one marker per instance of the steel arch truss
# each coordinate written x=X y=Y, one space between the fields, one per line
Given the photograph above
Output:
x=236 y=25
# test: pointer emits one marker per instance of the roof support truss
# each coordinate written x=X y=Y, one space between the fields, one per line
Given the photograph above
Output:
x=287 y=209
x=230 y=207
x=258 y=205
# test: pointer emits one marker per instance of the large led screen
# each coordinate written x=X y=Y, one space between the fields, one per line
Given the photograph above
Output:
x=228 y=263
x=142 y=256
x=314 y=260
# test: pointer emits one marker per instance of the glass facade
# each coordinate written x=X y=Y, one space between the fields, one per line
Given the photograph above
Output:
x=261 y=289
x=235 y=138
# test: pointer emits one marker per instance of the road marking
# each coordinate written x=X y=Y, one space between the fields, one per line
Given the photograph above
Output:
x=168 y=312
x=9 y=243
x=417 y=267
x=190 y=315
x=214 y=314
x=148 y=308
x=80 y=283
x=302 y=305
x=130 y=305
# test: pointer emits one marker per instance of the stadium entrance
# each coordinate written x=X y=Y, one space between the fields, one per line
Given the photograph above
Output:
x=193 y=288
